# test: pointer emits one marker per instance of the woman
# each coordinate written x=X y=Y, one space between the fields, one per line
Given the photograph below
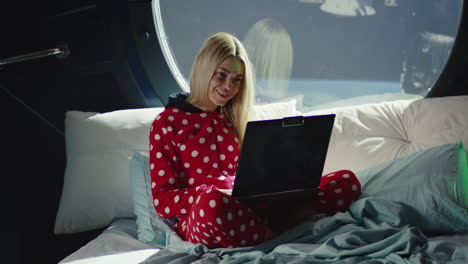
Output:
x=194 y=150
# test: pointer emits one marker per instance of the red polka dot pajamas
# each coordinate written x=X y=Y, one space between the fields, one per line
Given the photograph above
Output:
x=192 y=156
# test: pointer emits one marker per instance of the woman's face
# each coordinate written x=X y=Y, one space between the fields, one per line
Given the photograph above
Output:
x=225 y=83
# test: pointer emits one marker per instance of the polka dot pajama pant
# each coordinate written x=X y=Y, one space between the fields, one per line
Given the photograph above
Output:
x=337 y=191
x=218 y=220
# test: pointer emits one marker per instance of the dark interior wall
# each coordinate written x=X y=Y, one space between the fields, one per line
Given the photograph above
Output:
x=454 y=78
x=34 y=97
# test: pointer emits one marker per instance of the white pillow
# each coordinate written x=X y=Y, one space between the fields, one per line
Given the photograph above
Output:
x=96 y=187
x=366 y=135
x=275 y=110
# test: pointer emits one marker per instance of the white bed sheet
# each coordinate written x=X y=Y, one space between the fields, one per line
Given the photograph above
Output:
x=116 y=244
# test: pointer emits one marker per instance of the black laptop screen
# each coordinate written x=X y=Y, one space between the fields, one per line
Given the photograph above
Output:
x=283 y=155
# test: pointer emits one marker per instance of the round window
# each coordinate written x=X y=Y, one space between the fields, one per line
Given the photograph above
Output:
x=326 y=53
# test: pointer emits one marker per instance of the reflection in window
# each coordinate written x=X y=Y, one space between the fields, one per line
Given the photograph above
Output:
x=270 y=50
x=348 y=7
x=423 y=63
x=328 y=52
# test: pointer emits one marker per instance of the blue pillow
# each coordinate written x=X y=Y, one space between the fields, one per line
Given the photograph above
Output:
x=152 y=229
x=431 y=182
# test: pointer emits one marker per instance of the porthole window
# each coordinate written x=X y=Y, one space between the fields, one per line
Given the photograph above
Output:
x=327 y=53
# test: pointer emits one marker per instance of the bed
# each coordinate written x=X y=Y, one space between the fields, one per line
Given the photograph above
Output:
x=408 y=154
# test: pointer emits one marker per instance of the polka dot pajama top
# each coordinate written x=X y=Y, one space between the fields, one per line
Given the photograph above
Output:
x=193 y=154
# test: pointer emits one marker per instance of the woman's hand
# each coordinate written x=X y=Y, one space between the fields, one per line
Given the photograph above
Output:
x=226 y=191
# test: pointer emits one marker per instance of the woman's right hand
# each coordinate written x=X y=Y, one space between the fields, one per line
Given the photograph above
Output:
x=226 y=191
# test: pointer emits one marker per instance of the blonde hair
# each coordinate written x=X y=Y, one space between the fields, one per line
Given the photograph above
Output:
x=214 y=51
x=271 y=53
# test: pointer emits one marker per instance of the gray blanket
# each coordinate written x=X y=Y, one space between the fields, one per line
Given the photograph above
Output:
x=373 y=230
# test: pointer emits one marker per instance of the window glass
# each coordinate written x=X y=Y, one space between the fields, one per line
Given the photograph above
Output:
x=328 y=53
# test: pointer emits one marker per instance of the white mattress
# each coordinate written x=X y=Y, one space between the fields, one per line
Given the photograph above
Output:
x=117 y=244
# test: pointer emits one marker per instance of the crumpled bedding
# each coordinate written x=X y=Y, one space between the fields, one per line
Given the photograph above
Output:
x=373 y=230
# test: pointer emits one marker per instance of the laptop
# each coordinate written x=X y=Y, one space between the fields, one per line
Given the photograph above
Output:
x=282 y=160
